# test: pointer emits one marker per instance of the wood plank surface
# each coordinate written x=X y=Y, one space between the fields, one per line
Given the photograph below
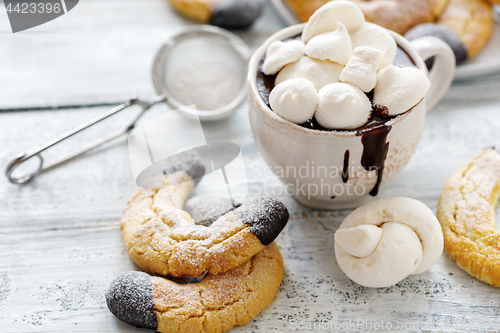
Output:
x=60 y=243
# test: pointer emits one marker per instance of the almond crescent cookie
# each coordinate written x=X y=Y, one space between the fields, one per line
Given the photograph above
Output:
x=216 y=304
x=224 y=13
x=162 y=238
x=472 y=21
x=466 y=211
x=401 y=15
x=466 y=26
x=396 y=15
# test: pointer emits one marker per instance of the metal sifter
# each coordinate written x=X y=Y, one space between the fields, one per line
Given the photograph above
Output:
x=209 y=45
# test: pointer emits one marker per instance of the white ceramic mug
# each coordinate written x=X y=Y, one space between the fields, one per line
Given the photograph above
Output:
x=312 y=163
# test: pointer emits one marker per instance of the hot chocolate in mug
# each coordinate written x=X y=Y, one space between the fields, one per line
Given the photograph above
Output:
x=337 y=168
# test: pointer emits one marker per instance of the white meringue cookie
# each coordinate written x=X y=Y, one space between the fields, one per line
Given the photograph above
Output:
x=360 y=241
x=280 y=54
x=372 y=35
x=396 y=257
x=412 y=241
x=335 y=46
x=295 y=100
x=361 y=70
x=399 y=89
x=319 y=72
x=342 y=106
x=326 y=17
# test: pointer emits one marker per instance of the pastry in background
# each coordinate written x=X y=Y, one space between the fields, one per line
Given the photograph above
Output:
x=223 y=13
x=472 y=21
x=466 y=25
x=398 y=16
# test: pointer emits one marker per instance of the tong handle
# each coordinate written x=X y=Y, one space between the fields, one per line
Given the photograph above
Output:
x=36 y=153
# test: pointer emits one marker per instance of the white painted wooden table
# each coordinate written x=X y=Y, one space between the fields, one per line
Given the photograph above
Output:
x=60 y=243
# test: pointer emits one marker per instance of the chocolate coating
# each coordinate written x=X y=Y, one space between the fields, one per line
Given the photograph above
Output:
x=236 y=13
x=443 y=33
x=130 y=299
x=266 y=217
x=205 y=210
x=189 y=161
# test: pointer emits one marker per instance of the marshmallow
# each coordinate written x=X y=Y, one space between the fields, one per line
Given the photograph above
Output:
x=295 y=100
x=326 y=17
x=342 y=106
x=319 y=72
x=399 y=89
x=372 y=35
x=411 y=241
x=280 y=54
x=361 y=70
x=335 y=46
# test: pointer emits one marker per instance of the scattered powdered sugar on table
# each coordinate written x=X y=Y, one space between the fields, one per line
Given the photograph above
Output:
x=5 y=287
x=207 y=85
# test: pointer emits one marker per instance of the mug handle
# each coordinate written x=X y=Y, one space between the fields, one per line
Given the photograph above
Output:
x=443 y=70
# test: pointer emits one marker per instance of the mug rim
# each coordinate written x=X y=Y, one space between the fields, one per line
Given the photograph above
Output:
x=293 y=30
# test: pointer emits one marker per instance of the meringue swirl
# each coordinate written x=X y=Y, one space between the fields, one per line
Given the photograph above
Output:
x=382 y=242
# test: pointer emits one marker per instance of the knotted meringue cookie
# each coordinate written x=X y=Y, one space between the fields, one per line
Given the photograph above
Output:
x=361 y=69
x=399 y=89
x=335 y=46
x=342 y=106
x=372 y=35
x=319 y=72
x=280 y=54
x=407 y=235
x=326 y=17
x=295 y=100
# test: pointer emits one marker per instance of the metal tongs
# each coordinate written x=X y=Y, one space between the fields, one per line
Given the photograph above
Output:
x=36 y=153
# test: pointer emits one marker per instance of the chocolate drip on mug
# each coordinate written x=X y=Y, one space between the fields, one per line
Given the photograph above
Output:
x=345 y=170
x=375 y=150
